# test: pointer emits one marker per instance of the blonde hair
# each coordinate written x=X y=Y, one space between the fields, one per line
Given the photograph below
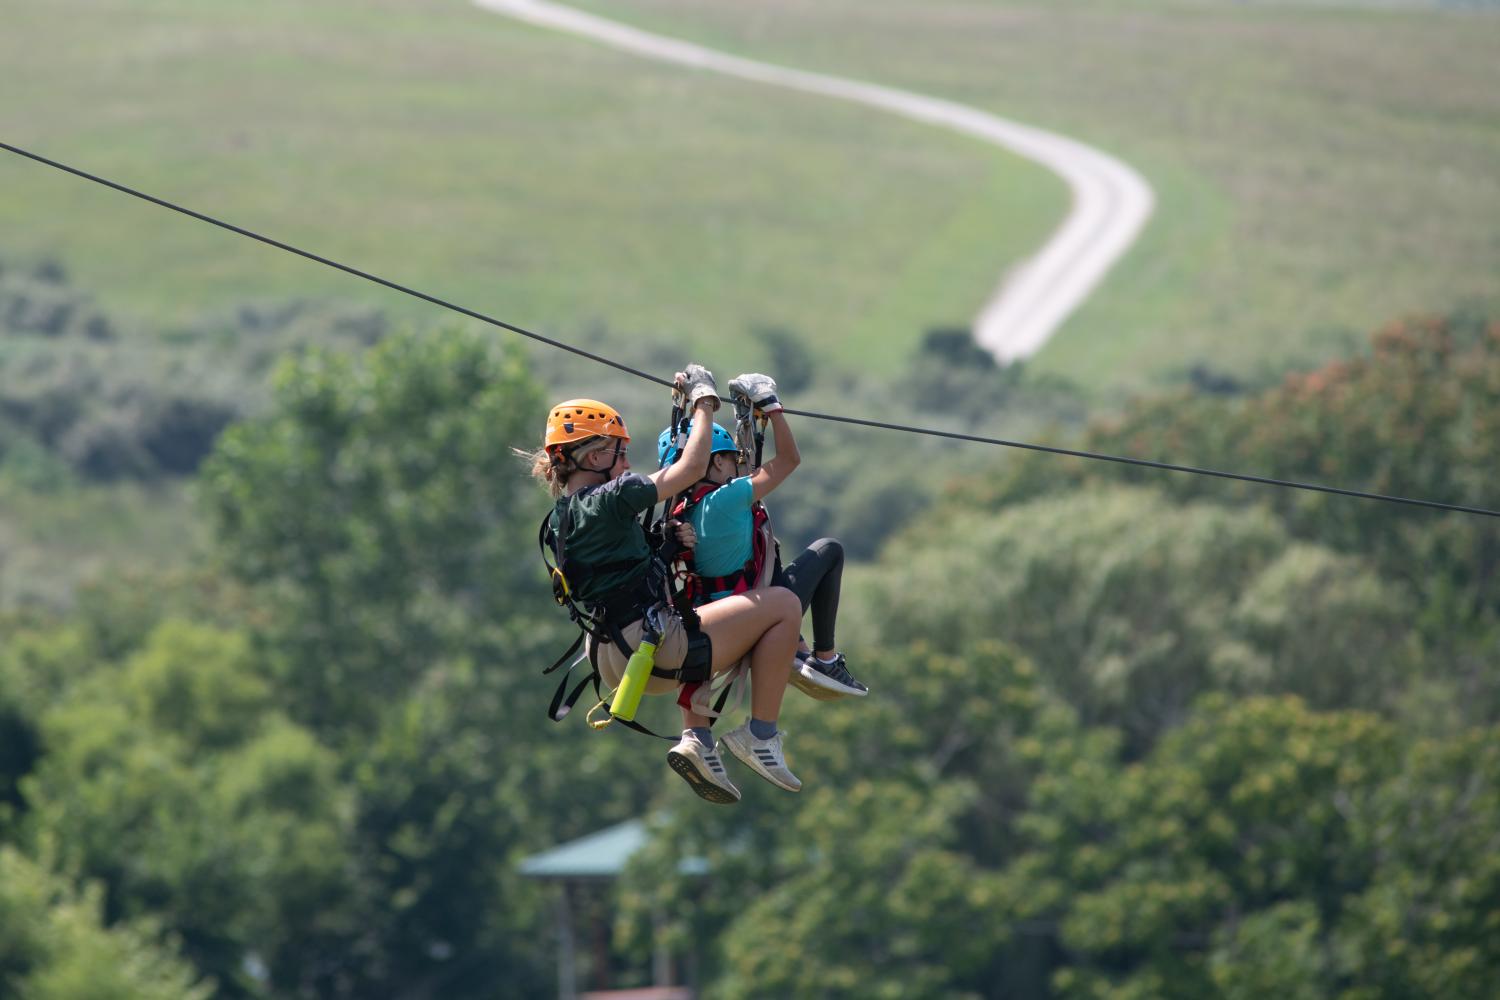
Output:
x=553 y=470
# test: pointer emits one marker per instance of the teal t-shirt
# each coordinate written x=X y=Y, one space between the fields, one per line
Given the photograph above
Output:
x=725 y=529
x=604 y=530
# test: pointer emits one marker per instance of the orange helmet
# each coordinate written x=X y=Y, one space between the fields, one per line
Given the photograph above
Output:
x=580 y=419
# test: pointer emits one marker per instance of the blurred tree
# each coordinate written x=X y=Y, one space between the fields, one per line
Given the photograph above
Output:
x=381 y=513
x=1427 y=924
x=381 y=520
x=175 y=784
x=880 y=878
x=54 y=944
x=1220 y=863
x=791 y=363
x=1413 y=417
x=1131 y=604
x=19 y=743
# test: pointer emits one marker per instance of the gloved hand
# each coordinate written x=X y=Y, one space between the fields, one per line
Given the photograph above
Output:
x=697 y=382
x=760 y=388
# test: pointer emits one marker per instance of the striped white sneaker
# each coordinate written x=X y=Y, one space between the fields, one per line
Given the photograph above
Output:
x=761 y=756
x=702 y=768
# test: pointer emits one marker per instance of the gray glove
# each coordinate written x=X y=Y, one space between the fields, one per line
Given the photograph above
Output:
x=697 y=382
x=761 y=390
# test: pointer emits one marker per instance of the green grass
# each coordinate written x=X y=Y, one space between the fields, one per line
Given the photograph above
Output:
x=543 y=179
x=51 y=542
x=1320 y=169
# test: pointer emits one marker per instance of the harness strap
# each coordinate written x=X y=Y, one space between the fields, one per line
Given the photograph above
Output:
x=700 y=589
x=594 y=676
x=601 y=619
x=563 y=658
x=560 y=707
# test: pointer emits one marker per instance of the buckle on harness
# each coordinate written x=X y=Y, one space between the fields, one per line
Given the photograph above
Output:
x=561 y=592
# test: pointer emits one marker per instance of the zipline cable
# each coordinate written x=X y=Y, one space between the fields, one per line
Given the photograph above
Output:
x=1149 y=464
x=905 y=428
x=334 y=264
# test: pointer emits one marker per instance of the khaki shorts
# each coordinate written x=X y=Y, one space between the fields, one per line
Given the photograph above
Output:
x=669 y=654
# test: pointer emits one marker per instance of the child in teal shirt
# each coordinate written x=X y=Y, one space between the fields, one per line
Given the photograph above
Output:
x=722 y=514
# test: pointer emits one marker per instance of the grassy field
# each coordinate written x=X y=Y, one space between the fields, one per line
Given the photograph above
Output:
x=1320 y=169
x=50 y=543
x=551 y=182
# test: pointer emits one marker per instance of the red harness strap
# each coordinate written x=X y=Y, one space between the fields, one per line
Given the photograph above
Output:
x=700 y=589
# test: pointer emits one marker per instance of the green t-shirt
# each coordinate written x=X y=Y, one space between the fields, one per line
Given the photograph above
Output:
x=605 y=530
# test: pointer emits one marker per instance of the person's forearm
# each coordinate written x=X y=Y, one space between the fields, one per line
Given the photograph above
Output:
x=695 y=453
x=787 y=455
x=692 y=465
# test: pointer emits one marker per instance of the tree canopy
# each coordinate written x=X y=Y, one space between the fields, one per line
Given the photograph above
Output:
x=1127 y=737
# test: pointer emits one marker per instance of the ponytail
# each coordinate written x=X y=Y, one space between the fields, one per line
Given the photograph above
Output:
x=552 y=469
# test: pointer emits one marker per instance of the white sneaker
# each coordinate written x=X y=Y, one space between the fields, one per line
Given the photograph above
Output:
x=761 y=756
x=702 y=768
x=825 y=681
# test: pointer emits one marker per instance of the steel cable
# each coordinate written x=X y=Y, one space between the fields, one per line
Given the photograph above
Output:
x=858 y=421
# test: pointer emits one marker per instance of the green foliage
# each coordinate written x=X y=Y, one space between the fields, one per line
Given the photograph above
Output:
x=19 y=743
x=199 y=684
x=1276 y=952
x=443 y=799
x=313 y=776
x=1259 y=846
x=1131 y=604
x=880 y=876
x=173 y=783
x=55 y=945
x=383 y=515
x=112 y=411
x=82 y=399
x=900 y=923
x=39 y=301
x=1428 y=922
x=1266 y=849
x=1414 y=417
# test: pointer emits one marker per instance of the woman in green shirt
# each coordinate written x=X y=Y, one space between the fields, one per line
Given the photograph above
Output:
x=586 y=466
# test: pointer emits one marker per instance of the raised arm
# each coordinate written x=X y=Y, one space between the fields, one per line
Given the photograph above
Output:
x=697 y=383
x=787 y=457
x=761 y=391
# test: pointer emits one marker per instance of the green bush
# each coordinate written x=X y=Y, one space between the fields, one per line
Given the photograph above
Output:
x=55 y=944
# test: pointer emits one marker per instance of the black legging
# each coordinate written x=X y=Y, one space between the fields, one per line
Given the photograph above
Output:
x=814 y=577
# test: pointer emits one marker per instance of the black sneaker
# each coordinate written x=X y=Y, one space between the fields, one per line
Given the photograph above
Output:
x=826 y=681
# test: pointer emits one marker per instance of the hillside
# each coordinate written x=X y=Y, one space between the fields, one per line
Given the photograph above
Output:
x=564 y=187
x=1320 y=168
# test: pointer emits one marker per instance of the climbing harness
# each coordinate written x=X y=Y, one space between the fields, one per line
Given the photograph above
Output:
x=751 y=576
x=749 y=439
x=691 y=589
x=646 y=598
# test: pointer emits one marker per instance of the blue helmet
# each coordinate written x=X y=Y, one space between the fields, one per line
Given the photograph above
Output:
x=666 y=450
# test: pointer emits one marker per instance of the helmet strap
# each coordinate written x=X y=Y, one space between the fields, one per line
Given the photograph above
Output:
x=574 y=466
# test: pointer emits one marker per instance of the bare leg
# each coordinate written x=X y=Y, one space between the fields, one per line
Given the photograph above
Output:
x=763 y=623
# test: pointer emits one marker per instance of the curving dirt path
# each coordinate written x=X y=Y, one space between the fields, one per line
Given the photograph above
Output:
x=1111 y=202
